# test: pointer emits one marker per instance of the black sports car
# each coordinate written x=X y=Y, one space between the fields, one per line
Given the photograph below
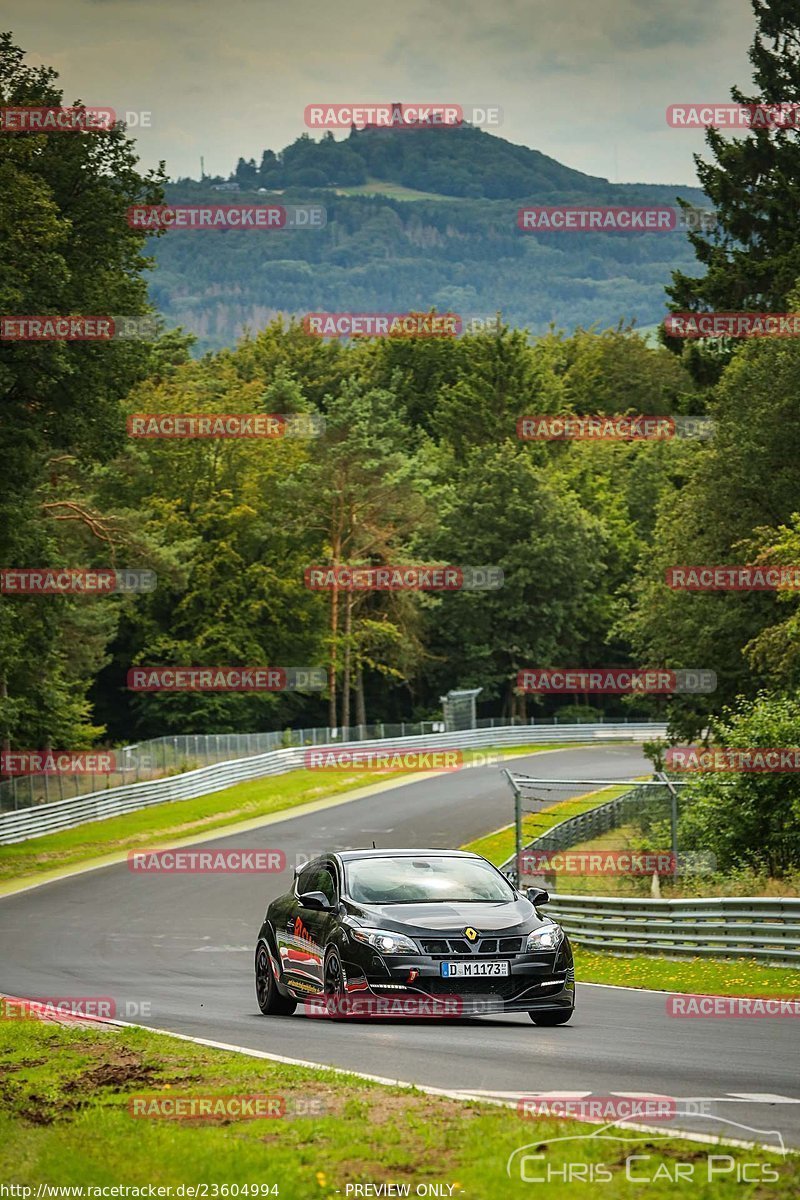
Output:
x=417 y=932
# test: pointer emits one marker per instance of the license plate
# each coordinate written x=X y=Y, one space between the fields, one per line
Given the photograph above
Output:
x=474 y=969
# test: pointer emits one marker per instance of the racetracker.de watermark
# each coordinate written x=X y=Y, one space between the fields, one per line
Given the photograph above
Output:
x=227 y=679
x=727 y=115
x=597 y=427
x=732 y=325
x=225 y=425
x=599 y=1108
x=406 y=759
x=395 y=115
x=76 y=328
x=336 y=1004
x=210 y=1107
x=615 y=862
x=731 y=1006
x=626 y=427
x=404 y=577
x=206 y=862
x=732 y=578
x=616 y=680
x=68 y=581
x=221 y=217
x=66 y=1008
x=780 y=759
x=615 y=218
x=57 y=762
x=37 y=119
x=384 y=324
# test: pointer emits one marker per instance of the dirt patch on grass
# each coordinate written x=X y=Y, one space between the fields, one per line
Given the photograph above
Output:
x=386 y=1109
x=112 y=1075
x=119 y=1069
x=8 y=1068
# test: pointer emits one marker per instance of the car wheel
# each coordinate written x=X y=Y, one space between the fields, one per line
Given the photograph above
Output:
x=270 y=1000
x=334 y=984
x=556 y=1016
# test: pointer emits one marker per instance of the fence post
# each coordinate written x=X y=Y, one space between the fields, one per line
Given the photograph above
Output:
x=673 y=821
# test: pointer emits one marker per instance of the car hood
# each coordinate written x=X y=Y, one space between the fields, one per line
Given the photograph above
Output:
x=442 y=917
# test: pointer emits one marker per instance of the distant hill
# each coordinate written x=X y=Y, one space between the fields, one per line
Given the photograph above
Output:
x=450 y=161
x=415 y=219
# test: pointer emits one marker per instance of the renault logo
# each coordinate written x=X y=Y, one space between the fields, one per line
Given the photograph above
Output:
x=471 y=934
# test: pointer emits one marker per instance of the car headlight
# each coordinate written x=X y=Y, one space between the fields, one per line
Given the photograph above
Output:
x=384 y=940
x=549 y=937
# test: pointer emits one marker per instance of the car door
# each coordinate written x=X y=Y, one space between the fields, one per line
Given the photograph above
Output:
x=300 y=955
x=316 y=925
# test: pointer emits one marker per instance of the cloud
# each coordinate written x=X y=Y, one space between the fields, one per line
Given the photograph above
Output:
x=575 y=78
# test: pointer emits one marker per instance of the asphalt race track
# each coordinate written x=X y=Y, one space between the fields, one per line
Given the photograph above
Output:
x=183 y=945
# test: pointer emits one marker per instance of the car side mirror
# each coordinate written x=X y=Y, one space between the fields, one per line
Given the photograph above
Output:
x=537 y=896
x=317 y=901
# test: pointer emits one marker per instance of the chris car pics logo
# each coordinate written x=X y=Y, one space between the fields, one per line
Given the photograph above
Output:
x=616 y=1152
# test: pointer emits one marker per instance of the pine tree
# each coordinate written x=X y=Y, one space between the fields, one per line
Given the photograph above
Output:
x=752 y=258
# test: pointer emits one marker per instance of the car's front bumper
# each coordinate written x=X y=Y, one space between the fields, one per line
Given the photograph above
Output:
x=540 y=981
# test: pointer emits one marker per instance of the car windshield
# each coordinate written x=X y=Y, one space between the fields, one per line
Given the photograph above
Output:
x=415 y=880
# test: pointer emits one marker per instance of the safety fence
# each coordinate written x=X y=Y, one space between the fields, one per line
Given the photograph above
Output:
x=586 y=825
x=767 y=929
x=39 y=819
x=175 y=754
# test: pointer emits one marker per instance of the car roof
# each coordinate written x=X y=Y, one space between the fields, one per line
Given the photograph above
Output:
x=402 y=852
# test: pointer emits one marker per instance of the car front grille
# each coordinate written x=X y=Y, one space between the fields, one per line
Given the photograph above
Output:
x=486 y=945
x=503 y=989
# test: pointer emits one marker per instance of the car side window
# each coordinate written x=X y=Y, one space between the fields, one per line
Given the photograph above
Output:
x=305 y=880
x=323 y=881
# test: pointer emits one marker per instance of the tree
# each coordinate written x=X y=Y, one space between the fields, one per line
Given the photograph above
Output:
x=67 y=250
x=497 y=376
x=500 y=509
x=246 y=174
x=752 y=259
x=360 y=494
x=231 y=585
x=748 y=818
x=725 y=504
x=774 y=652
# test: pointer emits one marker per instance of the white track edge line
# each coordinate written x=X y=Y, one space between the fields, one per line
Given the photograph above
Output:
x=426 y=1089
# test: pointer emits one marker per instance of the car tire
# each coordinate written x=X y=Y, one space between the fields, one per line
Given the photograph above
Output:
x=270 y=1000
x=556 y=1016
x=334 y=985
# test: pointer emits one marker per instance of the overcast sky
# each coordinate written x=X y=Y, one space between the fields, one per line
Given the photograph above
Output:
x=586 y=81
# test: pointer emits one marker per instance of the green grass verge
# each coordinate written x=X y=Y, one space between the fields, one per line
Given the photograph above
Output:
x=498 y=846
x=702 y=976
x=65 y=1119
x=397 y=191
x=181 y=819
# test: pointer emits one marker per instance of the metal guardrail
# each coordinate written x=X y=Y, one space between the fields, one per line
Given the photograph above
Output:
x=40 y=819
x=720 y=927
x=178 y=753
